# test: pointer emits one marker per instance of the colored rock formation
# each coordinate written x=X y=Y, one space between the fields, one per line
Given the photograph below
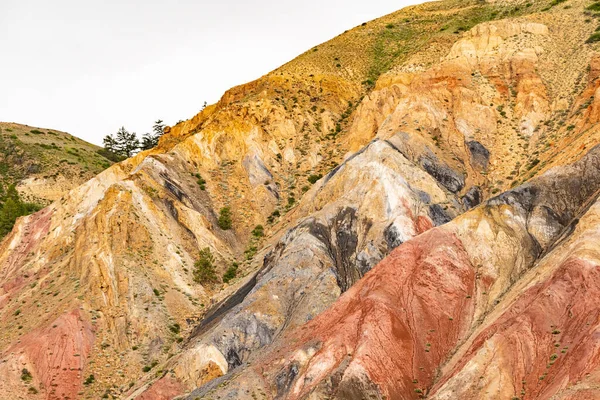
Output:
x=416 y=218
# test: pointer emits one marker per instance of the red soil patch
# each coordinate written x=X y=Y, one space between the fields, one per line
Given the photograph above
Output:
x=34 y=231
x=55 y=355
x=398 y=323
x=165 y=388
x=564 y=311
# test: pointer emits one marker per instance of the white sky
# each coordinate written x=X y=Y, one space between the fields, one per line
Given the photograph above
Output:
x=89 y=67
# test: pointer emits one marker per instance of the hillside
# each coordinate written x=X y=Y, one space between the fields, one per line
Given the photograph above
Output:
x=408 y=210
x=45 y=163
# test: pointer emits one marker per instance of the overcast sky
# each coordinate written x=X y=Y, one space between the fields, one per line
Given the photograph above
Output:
x=89 y=67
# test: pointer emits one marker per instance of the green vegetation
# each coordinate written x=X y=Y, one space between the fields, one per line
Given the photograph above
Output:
x=258 y=231
x=224 y=221
x=110 y=155
x=201 y=182
x=11 y=208
x=275 y=214
x=314 y=178
x=124 y=143
x=45 y=154
x=595 y=37
x=150 y=140
x=89 y=380
x=175 y=328
x=250 y=252
x=397 y=41
x=204 y=269
x=26 y=375
x=593 y=7
x=230 y=273
x=291 y=200
x=149 y=367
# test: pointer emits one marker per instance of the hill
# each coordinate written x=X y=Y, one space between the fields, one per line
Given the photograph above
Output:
x=46 y=163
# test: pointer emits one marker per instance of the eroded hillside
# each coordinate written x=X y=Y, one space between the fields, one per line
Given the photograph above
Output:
x=368 y=152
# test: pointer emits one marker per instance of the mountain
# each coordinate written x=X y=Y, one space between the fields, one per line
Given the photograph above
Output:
x=408 y=210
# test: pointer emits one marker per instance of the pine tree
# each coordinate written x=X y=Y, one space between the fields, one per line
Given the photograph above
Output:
x=126 y=143
x=158 y=129
x=150 y=140
x=109 y=143
x=204 y=269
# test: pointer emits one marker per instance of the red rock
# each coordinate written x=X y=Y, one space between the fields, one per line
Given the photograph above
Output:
x=55 y=356
x=385 y=329
x=165 y=388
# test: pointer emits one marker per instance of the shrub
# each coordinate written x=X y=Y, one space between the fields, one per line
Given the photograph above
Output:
x=36 y=132
x=149 y=367
x=314 y=178
x=204 y=269
x=291 y=200
x=26 y=375
x=230 y=273
x=175 y=328
x=250 y=252
x=594 y=38
x=109 y=155
x=89 y=380
x=593 y=7
x=225 y=222
x=274 y=214
x=201 y=182
x=258 y=231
